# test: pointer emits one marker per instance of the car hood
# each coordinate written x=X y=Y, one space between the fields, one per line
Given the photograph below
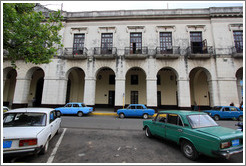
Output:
x=21 y=132
x=221 y=132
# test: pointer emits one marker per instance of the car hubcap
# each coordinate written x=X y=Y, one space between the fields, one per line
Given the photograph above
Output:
x=146 y=132
x=188 y=150
x=145 y=116
x=121 y=116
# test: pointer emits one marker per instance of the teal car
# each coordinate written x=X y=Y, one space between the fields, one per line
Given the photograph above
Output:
x=196 y=133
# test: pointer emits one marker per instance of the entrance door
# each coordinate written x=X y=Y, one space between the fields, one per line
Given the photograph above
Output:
x=134 y=97
x=158 y=98
x=111 y=98
x=39 y=92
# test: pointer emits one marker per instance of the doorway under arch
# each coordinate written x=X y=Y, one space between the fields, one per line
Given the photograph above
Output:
x=239 y=76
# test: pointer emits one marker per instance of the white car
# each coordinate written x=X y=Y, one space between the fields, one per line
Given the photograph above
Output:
x=5 y=109
x=29 y=130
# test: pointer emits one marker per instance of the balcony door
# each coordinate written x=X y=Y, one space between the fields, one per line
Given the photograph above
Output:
x=136 y=43
x=196 y=42
x=107 y=43
x=78 y=43
x=166 y=42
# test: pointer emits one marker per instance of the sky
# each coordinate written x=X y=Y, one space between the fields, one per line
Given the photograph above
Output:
x=77 y=6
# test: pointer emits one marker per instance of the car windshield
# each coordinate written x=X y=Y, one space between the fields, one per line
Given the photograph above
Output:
x=24 y=119
x=83 y=105
x=199 y=121
x=216 y=108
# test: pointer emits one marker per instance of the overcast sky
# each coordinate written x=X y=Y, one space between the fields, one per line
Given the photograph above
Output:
x=75 y=6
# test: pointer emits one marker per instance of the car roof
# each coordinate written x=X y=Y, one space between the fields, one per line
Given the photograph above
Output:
x=75 y=103
x=182 y=112
x=44 y=110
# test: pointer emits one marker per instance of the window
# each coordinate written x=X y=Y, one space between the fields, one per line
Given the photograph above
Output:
x=238 y=40
x=134 y=79
x=107 y=43
x=52 y=116
x=68 y=105
x=161 y=118
x=75 y=105
x=136 y=43
x=111 y=79
x=78 y=43
x=139 y=107
x=172 y=119
x=166 y=42
x=226 y=109
x=134 y=97
x=158 y=80
x=196 y=42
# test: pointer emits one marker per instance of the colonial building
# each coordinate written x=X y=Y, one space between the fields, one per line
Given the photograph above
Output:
x=170 y=58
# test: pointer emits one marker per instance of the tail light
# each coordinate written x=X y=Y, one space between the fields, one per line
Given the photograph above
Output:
x=28 y=142
x=225 y=145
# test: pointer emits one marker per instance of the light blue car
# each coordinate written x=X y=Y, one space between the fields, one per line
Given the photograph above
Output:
x=225 y=112
x=136 y=110
x=79 y=109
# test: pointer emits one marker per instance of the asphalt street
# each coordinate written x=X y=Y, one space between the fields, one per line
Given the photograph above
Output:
x=108 y=139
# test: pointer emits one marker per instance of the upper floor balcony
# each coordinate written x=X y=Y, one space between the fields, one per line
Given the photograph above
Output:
x=136 y=53
x=71 y=53
x=105 y=52
x=200 y=52
x=237 y=52
x=170 y=52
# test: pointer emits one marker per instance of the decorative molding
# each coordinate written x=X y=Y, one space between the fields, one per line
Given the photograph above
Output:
x=165 y=28
x=79 y=30
x=195 y=27
x=106 y=29
x=235 y=27
x=135 y=29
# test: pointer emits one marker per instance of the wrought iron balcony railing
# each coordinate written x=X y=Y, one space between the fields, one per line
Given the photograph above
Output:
x=167 y=52
x=136 y=53
x=200 y=52
x=71 y=53
x=237 y=52
x=106 y=50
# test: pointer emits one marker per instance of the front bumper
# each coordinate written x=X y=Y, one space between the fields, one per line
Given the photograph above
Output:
x=21 y=152
x=228 y=152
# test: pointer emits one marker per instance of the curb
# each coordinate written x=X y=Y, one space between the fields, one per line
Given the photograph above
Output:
x=109 y=114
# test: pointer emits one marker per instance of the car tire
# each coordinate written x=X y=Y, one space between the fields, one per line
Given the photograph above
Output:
x=216 y=117
x=189 y=150
x=145 y=116
x=148 y=133
x=121 y=115
x=45 y=148
x=240 y=118
x=80 y=114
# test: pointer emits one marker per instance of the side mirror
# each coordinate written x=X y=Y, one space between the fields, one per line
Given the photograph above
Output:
x=58 y=114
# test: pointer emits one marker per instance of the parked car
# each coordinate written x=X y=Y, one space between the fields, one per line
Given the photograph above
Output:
x=240 y=126
x=5 y=109
x=225 y=112
x=196 y=133
x=79 y=109
x=136 y=110
x=29 y=130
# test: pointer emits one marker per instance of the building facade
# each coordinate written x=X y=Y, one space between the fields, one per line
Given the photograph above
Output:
x=172 y=58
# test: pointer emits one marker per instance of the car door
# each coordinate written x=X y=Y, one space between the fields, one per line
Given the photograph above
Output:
x=130 y=110
x=139 y=110
x=226 y=113
x=75 y=108
x=53 y=123
x=66 y=109
x=174 y=127
x=159 y=123
x=234 y=112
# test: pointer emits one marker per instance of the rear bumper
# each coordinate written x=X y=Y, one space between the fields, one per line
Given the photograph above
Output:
x=21 y=152
x=228 y=152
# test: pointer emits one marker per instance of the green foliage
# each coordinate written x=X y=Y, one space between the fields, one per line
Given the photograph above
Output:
x=28 y=35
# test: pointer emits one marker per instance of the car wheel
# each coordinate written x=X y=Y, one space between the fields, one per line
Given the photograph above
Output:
x=145 y=116
x=189 y=150
x=216 y=117
x=121 y=115
x=240 y=118
x=148 y=133
x=80 y=114
x=45 y=148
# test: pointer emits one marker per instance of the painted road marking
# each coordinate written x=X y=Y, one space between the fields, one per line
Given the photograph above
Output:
x=51 y=158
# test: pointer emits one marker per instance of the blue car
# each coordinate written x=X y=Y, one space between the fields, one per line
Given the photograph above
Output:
x=136 y=110
x=225 y=112
x=79 y=109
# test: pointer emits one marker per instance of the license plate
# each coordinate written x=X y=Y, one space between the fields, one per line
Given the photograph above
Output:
x=235 y=142
x=7 y=144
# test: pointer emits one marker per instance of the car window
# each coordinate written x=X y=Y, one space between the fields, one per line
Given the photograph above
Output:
x=199 y=121
x=131 y=107
x=83 y=105
x=52 y=116
x=75 y=105
x=233 y=109
x=68 y=105
x=161 y=118
x=172 y=119
x=24 y=119
x=226 y=109
x=139 y=107
x=217 y=108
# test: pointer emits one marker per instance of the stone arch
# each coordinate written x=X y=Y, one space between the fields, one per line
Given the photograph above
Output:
x=9 y=82
x=105 y=87
x=167 y=93
x=200 y=88
x=136 y=88
x=75 y=85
